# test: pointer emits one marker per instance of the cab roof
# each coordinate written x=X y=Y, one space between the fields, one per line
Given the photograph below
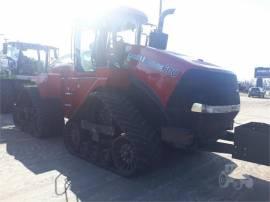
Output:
x=125 y=13
x=122 y=18
x=24 y=45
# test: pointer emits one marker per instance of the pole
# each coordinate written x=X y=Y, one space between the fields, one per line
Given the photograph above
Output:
x=160 y=8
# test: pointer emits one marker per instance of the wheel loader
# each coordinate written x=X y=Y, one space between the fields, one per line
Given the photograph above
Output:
x=124 y=97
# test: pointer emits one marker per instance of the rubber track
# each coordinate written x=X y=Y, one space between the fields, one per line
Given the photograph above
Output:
x=140 y=133
x=50 y=118
x=6 y=95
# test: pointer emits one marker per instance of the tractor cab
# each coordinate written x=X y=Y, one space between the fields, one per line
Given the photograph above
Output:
x=19 y=63
x=107 y=41
x=26 y=58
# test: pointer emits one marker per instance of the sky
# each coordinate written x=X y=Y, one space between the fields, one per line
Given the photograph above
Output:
x=233 y=34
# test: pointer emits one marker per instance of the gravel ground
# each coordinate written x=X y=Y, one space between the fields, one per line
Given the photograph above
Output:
x=29 y=167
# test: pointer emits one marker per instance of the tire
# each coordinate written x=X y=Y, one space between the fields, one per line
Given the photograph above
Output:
x=131 y=131
x=39 y=117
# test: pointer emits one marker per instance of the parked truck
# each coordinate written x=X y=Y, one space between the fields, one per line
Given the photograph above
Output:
x=124 y=97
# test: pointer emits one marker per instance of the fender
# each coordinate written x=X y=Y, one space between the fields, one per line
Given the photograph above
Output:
x=145 y=99
x=140 y=95
x=32 y=91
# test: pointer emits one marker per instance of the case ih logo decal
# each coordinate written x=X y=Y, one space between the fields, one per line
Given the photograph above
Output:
x=166 y=69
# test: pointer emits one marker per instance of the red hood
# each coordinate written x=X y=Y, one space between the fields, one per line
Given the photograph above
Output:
x=198 y=63
x=162 y=70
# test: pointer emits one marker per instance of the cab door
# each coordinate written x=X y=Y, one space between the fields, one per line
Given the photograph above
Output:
x=78 y=85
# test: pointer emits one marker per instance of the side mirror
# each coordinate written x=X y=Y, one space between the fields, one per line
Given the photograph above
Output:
x=158 y=40
x=4 y=48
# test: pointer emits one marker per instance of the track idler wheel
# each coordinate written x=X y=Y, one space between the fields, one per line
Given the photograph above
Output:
x=124 y=156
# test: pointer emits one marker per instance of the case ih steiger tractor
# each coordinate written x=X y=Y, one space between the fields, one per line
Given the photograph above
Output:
x=125 y=96
x=19 y=63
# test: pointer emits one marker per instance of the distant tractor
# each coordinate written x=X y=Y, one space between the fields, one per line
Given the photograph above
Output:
x=19 y=62
x=124 y=96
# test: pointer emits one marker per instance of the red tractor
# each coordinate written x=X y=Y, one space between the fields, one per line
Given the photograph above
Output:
x=19 y=63
x=124 y=96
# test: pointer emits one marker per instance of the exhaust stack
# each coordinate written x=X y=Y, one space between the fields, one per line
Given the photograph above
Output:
x=162 y=17
x=157 y=38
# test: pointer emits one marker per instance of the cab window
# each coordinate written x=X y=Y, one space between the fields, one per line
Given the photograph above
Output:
x=13 y=52
x=52 y=56
x=30 y=54
x=29 y=62
x=126 y=36
x=42 y=59
x=85 y=63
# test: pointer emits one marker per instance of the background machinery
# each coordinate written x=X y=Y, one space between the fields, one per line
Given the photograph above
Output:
x=125 y=96
x=19 y=62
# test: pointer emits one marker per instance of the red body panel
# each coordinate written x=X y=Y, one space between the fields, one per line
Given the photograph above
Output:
x=72 y=87
x=157 y=78
x=151 y=66
x=160 y=83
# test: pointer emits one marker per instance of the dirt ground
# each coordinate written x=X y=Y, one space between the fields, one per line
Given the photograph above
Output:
x=29 y=168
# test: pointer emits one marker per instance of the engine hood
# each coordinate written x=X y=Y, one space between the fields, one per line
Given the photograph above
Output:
x=198 y=63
